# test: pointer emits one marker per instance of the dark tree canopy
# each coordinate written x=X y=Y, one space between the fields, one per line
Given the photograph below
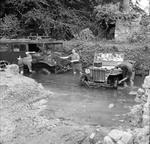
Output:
x=60 y=19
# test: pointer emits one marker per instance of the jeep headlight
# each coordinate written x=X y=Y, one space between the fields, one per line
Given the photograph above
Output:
x=87 y=71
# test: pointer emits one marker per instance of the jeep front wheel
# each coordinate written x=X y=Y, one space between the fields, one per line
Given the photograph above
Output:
x=115 y=84
x=84 y=81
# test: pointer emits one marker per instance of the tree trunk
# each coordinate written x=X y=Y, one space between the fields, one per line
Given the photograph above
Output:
x=149 y=7
x=126 y=6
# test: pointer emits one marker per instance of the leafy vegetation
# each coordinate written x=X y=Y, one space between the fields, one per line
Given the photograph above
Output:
x=59 y=19
x=62 y=19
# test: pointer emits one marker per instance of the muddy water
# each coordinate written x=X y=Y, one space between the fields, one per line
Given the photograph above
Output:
x=84 y=105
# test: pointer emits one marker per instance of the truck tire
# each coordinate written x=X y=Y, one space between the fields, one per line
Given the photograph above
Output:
x=3 y=64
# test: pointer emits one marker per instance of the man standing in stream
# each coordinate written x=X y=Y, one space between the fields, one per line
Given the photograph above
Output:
x=75 y=60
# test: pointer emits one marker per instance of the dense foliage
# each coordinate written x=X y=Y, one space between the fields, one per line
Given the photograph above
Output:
x=61 y=19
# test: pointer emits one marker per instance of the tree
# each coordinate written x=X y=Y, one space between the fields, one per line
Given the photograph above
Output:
x=9 y=26
x=126 y=6
x=107 y=15
x=60 y=18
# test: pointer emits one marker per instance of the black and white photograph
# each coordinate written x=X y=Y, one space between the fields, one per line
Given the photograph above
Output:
x=74 y=71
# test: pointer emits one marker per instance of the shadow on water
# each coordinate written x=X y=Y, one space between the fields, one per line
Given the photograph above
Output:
x=85 y=105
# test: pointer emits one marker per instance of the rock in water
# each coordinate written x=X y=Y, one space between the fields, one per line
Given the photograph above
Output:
x=146 y=82
x=111 y=106
x=116 y=134
x=108 y=140
x=132 y=93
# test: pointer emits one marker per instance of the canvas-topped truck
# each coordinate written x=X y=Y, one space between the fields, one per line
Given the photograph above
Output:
x=11 y=49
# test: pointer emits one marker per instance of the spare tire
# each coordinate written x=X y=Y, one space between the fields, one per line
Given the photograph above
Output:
x=3 y=64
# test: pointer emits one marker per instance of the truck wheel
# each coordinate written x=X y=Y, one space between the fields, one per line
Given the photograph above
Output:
x=82 y=79
x=3 y=64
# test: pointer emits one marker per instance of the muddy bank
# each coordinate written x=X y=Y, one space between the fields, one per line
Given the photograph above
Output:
x=21 y=100
x=22 y=118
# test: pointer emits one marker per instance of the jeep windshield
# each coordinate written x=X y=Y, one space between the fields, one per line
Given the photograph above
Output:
x=109 y=60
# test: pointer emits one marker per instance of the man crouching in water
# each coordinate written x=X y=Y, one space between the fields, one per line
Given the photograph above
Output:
x=75 y=60
x=127 y=72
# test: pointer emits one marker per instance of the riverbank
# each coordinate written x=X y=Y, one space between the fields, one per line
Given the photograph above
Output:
x=23 y=120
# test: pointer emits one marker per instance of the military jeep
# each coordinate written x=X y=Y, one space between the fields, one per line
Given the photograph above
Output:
x=103 y=71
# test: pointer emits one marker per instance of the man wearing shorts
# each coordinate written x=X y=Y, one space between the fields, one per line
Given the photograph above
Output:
x=75 y=60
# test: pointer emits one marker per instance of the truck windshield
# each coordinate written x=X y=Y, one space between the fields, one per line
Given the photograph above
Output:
x=19 y=48
x=4 y=47
x=54 y=47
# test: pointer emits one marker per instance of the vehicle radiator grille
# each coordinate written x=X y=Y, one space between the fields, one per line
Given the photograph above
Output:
x=98 y=75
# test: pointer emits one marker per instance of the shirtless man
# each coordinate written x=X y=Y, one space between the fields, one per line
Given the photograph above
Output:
x=128 y=73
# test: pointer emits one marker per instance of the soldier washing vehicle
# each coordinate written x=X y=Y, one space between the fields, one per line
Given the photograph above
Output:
x=75 y=60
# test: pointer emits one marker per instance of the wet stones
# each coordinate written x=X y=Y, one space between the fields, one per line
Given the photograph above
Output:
x=146 y=107
x=97 y=136
x=118 y=137
x=108 y=140
x=134 y=117
x=142 y=135
x=146 y=115
x=115 y=135
x=141 y=97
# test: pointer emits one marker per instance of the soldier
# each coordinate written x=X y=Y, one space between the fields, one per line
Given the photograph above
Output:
x=75 y=60
x=128 y=73
x=26 y=61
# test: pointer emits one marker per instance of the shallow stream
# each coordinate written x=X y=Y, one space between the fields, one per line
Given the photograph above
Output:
x=85 y=105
